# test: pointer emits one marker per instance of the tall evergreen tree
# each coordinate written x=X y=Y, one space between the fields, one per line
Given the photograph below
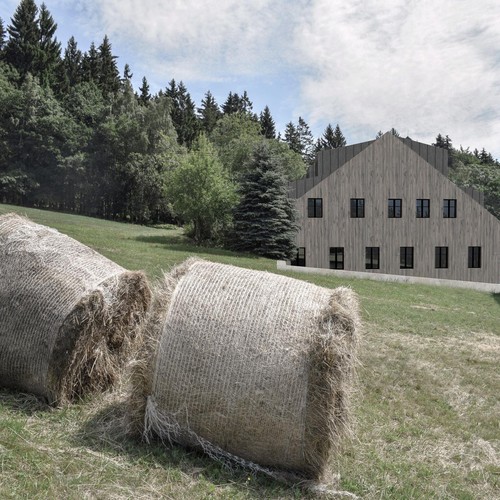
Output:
x=264 y=219
x=127 y=73
x=72 y=63
x=306 y=142
x=144 y=96
x=183 y=113
x=209 y=113
x=232 y=104
x=109 y=77
x=338 y=138
x=49 y=56
x=267 y=124
x=328 y=139
x=90 y=65
x=292 y=138
x=22 y=48
x=2 y=37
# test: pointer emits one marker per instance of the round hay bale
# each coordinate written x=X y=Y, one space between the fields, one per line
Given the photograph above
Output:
x=69 y=317
x=252 y=367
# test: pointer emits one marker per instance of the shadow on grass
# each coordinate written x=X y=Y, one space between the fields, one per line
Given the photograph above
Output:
x=496 y=297
x=26 y=404
x=105 y=432
x=180 y=243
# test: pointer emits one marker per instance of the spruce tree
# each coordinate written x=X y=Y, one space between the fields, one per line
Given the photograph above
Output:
x=267 y=124
x=328 y=139
x=2 y=37
x=264 y=221
x=127 y=74
x=338 y=138
x=90 y=65
x=22 y=49
x=72 y=63
x=183 y=113
x=292 y=138
x=49 y=55
x=232 y=104
x=144 y=96
x=209 y=113
x=109 y=77
x=306 y=142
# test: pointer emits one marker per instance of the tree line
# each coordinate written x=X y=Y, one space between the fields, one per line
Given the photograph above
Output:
x=76 y=136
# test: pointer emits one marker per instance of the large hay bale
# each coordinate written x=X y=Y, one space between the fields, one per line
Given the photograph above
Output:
x=251 y=367
x=69 y=317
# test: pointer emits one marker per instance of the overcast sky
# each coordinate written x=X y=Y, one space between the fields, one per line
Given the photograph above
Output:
x=423 y=67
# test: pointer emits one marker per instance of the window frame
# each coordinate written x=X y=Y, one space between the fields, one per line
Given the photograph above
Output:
x=420 y=207
x=372 y=257
x=392 y=209
x=357 y=208
x=338 y=263
x=441 y=257
x=449 y=208
x=474 y=257
x=314 y=209
x=404 y=254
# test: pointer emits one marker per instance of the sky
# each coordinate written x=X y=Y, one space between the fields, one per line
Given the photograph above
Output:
x=421 y=66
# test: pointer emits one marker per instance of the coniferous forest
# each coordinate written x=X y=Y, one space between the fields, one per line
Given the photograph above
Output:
x=76 y=136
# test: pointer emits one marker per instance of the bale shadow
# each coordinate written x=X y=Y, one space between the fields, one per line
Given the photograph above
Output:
x=176 y=242
x=26 y=404
x=105 y=432
x=496 y=297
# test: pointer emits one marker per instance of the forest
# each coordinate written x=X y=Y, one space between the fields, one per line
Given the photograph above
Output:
x=76 y=136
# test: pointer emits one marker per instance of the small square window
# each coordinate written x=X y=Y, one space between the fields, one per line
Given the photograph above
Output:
x=314 y=207
x=372 y=260
x=406 y=257
x=441 y=257
x=357 y=207
x=423 y=208
x=394 y=208
x=449 y=209
x=474 y=257
x=336 y=257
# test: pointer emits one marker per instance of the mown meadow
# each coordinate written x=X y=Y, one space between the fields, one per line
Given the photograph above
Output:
x=427 y=402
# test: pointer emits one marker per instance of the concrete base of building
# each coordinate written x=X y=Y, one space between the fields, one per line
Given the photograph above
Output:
x=472 y=285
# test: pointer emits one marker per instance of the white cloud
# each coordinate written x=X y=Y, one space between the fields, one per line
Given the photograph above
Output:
x=423 y=67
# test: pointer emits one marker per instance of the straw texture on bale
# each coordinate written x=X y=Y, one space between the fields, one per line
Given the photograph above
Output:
x=69 y=317
x=251 y=367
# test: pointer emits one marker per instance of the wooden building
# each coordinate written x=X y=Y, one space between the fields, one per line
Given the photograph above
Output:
x=387 y=206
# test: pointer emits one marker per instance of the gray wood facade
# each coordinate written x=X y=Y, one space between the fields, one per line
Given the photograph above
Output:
x=402 y=169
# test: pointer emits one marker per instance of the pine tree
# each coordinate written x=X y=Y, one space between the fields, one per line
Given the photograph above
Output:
x=109 y=77
x=22 y=49
x=232 y=104
x=306 y=142
x=209 y=113
x=394 y=132
x=90 y=65
x=328 y=139
x=267 y=124
x=292 y=138
x=338 y=138
x=72 y=63
x=49 y=56
x=127 y=74
x=439 y=141
x=183 y=113
x=264 y=219
x=2 y=37
x=144 y=96
x=379 y=134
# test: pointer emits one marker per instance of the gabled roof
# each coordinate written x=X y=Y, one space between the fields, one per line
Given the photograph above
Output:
x=330 y=160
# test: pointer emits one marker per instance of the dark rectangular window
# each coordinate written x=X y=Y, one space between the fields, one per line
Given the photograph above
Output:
x=372 y=258
x=475 y=257
x=394 y=208
x=406 y=257
x=357 y=207
x=314 y=207
x=441 y=257
x=423 y=208
x=449 y=209
x=336 y=257
x=300 y=257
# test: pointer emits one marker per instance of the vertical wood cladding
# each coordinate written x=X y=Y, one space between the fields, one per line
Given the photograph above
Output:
x=394 y=168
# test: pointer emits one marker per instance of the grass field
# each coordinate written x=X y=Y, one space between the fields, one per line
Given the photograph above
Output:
x=427 y=405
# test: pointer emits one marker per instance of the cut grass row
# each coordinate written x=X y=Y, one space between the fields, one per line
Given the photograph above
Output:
x=427 y=404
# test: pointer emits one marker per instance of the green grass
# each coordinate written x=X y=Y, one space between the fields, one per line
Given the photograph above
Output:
x=427 y=402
